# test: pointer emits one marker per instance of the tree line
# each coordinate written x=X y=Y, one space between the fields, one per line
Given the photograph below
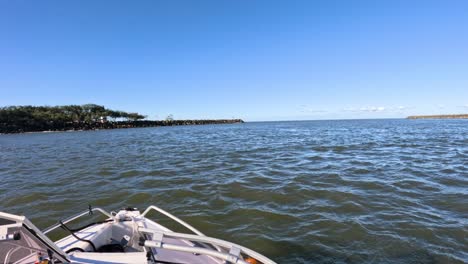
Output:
x=37 y=117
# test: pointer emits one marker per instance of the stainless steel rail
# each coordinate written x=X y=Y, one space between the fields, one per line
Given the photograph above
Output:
x=196 y=250
x=178 y=220
x=173 y=217
x=71 y=218
x=204 y=239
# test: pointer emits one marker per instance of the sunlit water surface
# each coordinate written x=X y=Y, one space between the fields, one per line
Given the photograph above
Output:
x=368 y=191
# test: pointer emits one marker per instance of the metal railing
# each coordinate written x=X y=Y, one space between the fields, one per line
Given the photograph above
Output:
x=71 y=218
x=178 y=220
x=173 y=217
x=234 y=255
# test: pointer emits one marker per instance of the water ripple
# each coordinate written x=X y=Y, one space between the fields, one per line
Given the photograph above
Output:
x=369 y=191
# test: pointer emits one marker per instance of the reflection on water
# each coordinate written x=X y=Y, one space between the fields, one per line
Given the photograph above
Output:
x=368 y=191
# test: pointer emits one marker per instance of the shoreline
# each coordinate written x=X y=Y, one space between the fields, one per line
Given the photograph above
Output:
x=458 y=116
x=90 y=126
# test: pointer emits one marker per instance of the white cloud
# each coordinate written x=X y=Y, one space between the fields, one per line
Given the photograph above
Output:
x=310 y=110
x=376 y=109
x=350 y=109
x=372 y=109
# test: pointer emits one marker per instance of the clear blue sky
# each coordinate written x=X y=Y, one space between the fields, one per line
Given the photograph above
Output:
x=257 y=60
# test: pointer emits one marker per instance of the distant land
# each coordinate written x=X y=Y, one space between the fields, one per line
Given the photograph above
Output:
x=20 y=119
x=459 y=116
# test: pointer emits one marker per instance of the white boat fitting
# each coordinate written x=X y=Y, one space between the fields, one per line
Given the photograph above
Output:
x=127 y=236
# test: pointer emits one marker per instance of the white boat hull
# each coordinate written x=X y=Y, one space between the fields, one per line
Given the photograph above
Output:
x=125 y=237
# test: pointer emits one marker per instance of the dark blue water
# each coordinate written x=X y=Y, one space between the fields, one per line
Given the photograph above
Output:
x=367 y=191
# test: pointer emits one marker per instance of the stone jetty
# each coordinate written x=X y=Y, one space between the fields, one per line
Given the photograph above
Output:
x=6 y=128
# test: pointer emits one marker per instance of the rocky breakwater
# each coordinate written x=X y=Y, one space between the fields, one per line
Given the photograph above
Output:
x=6 y=128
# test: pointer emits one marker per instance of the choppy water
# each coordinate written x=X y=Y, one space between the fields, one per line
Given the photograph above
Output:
x=369 y=191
